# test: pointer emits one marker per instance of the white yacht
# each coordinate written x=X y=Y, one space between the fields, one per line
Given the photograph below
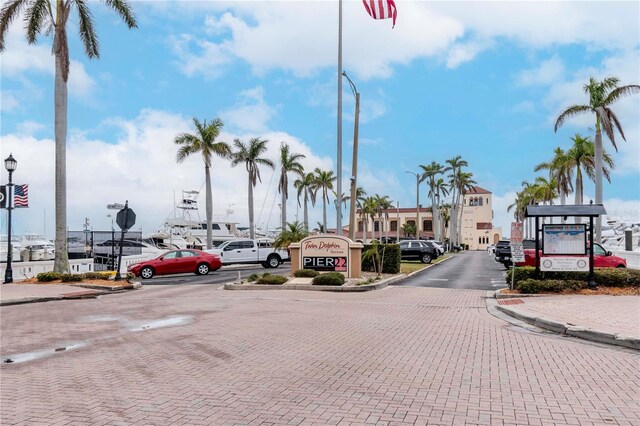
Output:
x=613 y=234
x=36 y=247
x=16 y=248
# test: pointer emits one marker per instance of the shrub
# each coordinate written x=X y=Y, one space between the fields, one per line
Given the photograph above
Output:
x=531 y=286
x=391 y=261
x=305 y=273
x=330 y=278
x=253 y=277
x=45 y=277
x=95 y=276
x=266 y=274
x=71 y=278
x=272 y=279
x=609 y=277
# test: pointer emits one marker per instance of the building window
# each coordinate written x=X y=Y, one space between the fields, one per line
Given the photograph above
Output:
x=360 y=226
x=376 y=225
x=487 y=201
x=411 y=222
x=427 y=225
x=394 y=226
x=480 y=201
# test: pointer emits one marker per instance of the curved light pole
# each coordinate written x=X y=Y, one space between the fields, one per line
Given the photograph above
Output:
x=354 y=161
x=418 y=180
x=11 y=165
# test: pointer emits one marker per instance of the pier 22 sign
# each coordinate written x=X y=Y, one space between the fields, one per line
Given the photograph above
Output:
x=323 y=253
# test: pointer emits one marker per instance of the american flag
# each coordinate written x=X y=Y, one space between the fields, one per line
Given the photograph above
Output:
x=381 y=9
x=21 y=196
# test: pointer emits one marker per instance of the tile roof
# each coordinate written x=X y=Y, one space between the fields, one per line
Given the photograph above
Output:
x=477 y=190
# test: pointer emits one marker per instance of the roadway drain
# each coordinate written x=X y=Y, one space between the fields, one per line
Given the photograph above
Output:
x=509 y=301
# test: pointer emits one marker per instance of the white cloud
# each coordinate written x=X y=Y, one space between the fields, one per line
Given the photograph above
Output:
x=460 y=53
x=547 y=73
x=28 y=128
x=251 y=113
x=9 y=101
x=140 y=167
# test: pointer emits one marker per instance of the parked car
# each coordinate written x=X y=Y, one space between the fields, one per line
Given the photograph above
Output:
x=601 y=258
x=418 y=250
x=250 y=251
x=176 y=262
x=438 y=245
x=503 y=251
x=491 y=249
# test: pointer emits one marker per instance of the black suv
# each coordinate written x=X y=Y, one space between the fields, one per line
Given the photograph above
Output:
x=503 y=250
x=418 y=250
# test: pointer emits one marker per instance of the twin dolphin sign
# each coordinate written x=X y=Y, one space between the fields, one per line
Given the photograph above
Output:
x=328 y=253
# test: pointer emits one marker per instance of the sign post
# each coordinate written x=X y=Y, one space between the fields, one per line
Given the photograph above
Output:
x=125 y=219
x=517 y=253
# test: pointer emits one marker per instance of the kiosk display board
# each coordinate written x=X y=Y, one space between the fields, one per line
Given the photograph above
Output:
x=564 y=239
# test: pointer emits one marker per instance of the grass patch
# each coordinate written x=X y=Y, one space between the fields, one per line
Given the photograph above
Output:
x=408 y=266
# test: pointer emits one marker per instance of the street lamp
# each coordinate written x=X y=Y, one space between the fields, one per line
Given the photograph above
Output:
x=354 y=161
x=11 y=165
x=419 y=178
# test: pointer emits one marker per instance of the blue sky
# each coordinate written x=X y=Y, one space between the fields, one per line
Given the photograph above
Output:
x=484 y=80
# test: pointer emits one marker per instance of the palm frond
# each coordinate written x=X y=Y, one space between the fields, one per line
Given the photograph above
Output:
x=619 y=92
x=35 y=18
x=10 y=10
x=122 y=8
x=606 y=124
x=570 y=112
x=86 y=30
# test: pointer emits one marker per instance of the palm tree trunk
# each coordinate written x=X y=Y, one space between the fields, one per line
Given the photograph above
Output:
x=563 y=201
x=364 y=229
x=579 y=191
x=61 y=260
x=324 y=210
x=460 y=225
x=283 y=222
x=306 y=214
x=252 y=232
x=598 y=153
x=209 y=206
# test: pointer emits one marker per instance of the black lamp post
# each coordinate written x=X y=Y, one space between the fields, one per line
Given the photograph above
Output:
x=354 y=161
x=10 y=164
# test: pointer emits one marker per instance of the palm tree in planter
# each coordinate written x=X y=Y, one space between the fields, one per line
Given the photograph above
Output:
x=289 y=162
x=251 y=155
x=307 y=190
x=293 y=233
x=602 y=94
x=324 y=183
x=39 y=17
x=204 y=142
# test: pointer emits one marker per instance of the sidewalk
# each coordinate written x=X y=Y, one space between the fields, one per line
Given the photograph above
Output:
x=606 y=319
x=14 y=294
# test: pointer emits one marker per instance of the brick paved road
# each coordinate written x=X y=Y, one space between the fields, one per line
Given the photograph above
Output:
x=396 y=356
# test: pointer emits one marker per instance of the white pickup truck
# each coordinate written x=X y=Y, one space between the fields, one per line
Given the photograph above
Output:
x=250 y=251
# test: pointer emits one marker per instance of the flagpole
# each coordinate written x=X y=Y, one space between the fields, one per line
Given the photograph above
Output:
x=339 y=156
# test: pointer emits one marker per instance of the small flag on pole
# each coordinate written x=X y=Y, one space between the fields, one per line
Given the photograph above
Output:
x=21 y=196
x=381 y=9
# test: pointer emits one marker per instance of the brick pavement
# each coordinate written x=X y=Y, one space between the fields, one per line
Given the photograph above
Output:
x=395 y=356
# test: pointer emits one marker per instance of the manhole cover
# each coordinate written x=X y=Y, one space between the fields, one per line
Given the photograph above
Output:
x=509 y=301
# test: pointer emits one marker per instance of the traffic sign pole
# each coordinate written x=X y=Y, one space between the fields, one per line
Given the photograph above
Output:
x=125 y=219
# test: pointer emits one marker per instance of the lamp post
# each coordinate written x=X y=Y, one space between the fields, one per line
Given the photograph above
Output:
x=10 y=164
x=418 y=180
x=354 y=161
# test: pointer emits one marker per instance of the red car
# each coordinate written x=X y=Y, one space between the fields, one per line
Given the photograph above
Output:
x=601 y=258
x=176 y=262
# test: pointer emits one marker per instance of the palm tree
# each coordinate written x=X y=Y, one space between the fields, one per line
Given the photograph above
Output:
x=465 y=182
x=250 y=155
x=204 y=142
x=39 y=18
x=306 y=188
x=289 y=162
x=370 y=209
x=324 y=181
x=293 y=233
x=430 y=172
x=546 y=189
x=455 y=164
x=560 y=169
x=446 y=216
x=440 y=189
x=602 y=94
x=385 y=205
x=360 y=197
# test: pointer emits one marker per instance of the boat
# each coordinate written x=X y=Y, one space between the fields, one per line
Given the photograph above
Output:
x=16 y=248
x=614 y=238
x=36 y=247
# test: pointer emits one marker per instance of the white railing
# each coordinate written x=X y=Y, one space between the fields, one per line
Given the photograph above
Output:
x=26 y=270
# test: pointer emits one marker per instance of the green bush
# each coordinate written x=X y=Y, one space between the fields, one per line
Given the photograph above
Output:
x=330 y=278
x=531 y=286
x=391 y=262
x=305 y=273
x=71 y=278
x=95 y=276
x=266 y=274
x=272 y=279
x=45 y=277
x=253 y=277
x=608 y=277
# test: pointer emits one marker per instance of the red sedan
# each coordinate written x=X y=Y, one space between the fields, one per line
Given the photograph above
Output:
x=176 y=262
x=601 y=258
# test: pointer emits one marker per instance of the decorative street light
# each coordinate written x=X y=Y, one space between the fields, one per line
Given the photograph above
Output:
x=11 y=165
x=419 y=178
x=354 y=161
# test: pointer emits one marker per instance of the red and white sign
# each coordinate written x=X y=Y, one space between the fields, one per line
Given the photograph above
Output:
x=516 y=232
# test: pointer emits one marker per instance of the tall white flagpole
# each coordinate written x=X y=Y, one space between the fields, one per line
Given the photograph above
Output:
x=339 y=156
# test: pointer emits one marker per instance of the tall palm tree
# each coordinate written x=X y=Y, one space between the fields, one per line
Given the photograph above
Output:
x=445 y=216
x=306 y=188
x=39 y=18
x=430 y=172
x=370 y=209
x=440 y=189
x=602 y=94
x=250 y=155
x=289 y=162
x=324 y=182
x=546 y=189
x=204 y=142
x=465 y=182
x=385 y=205
x=360 y=197
x=560 y=169
x=455 y=164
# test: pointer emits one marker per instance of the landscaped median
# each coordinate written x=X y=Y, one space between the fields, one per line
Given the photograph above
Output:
x=94 y=280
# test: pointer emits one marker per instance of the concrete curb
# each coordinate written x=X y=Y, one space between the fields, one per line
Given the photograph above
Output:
x=116 y=288
x=341 y=289
x=570 y=330
x=501 y=295
x=98 y=291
